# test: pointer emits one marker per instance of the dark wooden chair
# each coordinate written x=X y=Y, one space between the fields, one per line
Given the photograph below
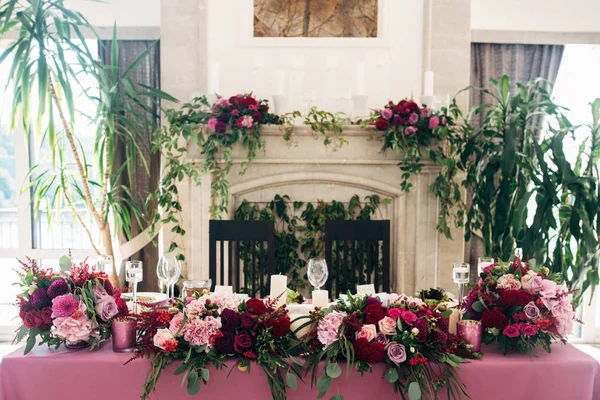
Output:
x=357 y=252
x=247 y=257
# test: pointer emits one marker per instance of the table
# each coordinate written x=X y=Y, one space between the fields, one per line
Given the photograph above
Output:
x=566 y=374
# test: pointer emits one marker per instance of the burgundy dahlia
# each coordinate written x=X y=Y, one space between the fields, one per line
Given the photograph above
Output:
x=58 y=288
x=230 y=320
x=220 y=127
x=39 y=299
x=224 y=343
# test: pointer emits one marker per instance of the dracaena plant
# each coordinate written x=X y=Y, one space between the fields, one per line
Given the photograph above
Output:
x=52 y=63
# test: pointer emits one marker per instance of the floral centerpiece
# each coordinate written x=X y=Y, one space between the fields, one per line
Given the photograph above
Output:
x=407 y=335
x=408 y=127
x=211 y=329
x=520 y=306
x=74 y=307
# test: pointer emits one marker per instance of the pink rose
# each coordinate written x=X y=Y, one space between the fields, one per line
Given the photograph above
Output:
x=528 y=329
x=410 y=130
x=368 y=332
x=106 y=307
x=531 y=311
x=175 y=323
x=434 y=122
x=396 y=353
x=413 y=119
x=444 y=121
x=162 y=337
x=512 y=331
x=409 y=317
x=212 y=123
x=327 y=330
x=394 y=313
x=425 y=112
x=387 y=325
x=531 y=282
x=381 y=338
x=386 y=113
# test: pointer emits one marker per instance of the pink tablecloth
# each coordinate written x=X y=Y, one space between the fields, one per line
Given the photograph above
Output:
x=566 y=374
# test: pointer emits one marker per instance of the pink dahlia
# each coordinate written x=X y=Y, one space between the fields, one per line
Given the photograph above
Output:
x=64 y=306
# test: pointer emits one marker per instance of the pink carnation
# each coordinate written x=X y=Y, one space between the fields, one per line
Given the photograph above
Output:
x=327 y=330
x=508 y=282
x=195 y=308
x=198 y=332
x=244 y=122
x=225 y=301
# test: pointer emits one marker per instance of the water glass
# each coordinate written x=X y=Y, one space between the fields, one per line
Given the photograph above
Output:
x=105 y=264
x=168 y=271
x=134 y=274
x=461 y=274
x=483 y=262
x=317 y=272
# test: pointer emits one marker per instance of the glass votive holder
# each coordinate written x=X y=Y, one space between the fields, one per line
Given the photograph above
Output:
x=123 y=334
x=470 y=332
x=197 y=286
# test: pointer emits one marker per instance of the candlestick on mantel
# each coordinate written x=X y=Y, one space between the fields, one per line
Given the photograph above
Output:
x=278 y=289
x=320 y=298
x=360 y=80
x=428 y=83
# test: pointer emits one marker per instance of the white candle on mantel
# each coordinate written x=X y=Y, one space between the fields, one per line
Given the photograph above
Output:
x=320 y=298
x=360 y=80
x=428 y=83
x=453 y=320
x=280 y=82
x=278 y=289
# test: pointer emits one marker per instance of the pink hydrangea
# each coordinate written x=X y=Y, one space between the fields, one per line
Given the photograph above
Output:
x=327 y=331
x=197 y=332
x=508 y=282
x=73 y=329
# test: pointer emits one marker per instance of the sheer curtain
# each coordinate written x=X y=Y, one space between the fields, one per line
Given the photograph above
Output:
x=141 y=183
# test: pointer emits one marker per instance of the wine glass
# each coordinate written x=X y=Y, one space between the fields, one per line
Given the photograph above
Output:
x=172 y=270
x=461 y=272
x=134 y=273
x=162 y=275
x=317 y=272
x=483 y=262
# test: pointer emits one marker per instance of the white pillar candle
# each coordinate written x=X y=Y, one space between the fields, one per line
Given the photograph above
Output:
x=223 y=289
x=360 y=79
x=452 y=321
x=320 y=298
x=280 y=90
x=278 y=289
x=428 y=83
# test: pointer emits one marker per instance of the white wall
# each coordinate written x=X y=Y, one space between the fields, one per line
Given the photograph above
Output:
x=127 y=13
x=324 y=69
x=536 y=15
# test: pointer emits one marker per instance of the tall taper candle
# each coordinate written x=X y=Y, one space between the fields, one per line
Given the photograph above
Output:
x=279 y=289
x=320 y=298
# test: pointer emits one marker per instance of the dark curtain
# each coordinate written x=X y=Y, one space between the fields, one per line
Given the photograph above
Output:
x=521 y=62
x=140 y=182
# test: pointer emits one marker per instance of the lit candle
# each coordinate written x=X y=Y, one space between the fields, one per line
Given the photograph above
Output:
x=320 y=298
x=428 y=83
x=453 y=320
x=278 y=289
x=360 y=80
x=280 y=82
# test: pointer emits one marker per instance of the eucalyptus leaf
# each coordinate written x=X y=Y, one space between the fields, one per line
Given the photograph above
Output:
x=291 y=380
x=414 y=391
x=333 y=370
x=391 y=375
x=323 y=383
x=193 y=383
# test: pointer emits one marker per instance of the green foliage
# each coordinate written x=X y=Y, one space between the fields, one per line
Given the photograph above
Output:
x=300 y=229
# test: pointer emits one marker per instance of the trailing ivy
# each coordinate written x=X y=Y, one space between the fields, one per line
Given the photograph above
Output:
x=300 y=228
x=329 y=125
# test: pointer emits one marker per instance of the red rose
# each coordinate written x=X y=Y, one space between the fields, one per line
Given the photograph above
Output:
x=242 y=343
x=46 y=315
x=234 y=100
x=494 y=319
x=249 y=321
x=256 y=306
x=33 y=320
x=280 y=325
x=374 y=313
x=256 y=116
x=421 y=325
x=381 y=125
x=370 y=352
x=247 y=102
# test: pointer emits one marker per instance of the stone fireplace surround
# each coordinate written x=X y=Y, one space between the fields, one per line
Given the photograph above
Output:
x=308 y=171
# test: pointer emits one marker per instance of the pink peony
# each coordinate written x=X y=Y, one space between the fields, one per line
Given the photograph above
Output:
x=512 y=331
x=212 y=123
x=532 y=282
x=434 y=122
x=73 y=330
x=387 y=325
x=396 y=353
x=162 y=337
x=394 y=313
x=327 y=330
x=413 y=119
x=386 y=113
x=410 y=130
x=198 y=332
x=64 y=306
x=508 y=282
x=175 y=323
x=368 y=332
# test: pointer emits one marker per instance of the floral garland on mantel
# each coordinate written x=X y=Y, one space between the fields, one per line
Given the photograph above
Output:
x=404 y=127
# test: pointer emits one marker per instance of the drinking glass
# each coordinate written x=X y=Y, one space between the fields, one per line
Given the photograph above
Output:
x=200 y=286
x=170 y=269
x=161 y=274
x=483 y=262
x=104 y=264
x=461 y=272
x=134 y=273
x=519 y=253
x=317 y=272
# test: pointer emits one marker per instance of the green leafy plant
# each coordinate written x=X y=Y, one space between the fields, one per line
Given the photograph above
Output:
x=327 y=124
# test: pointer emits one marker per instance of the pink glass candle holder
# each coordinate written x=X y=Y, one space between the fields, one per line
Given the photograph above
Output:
x=470 y=332
x=123 y=335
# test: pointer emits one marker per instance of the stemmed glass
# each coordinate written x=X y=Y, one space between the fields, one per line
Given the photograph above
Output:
x=483 y=262
x=134 y=273
x=461 y=272
x=317 y=272
x=168 y=271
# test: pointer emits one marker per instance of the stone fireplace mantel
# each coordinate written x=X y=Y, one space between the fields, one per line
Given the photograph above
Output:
x=308 y=171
